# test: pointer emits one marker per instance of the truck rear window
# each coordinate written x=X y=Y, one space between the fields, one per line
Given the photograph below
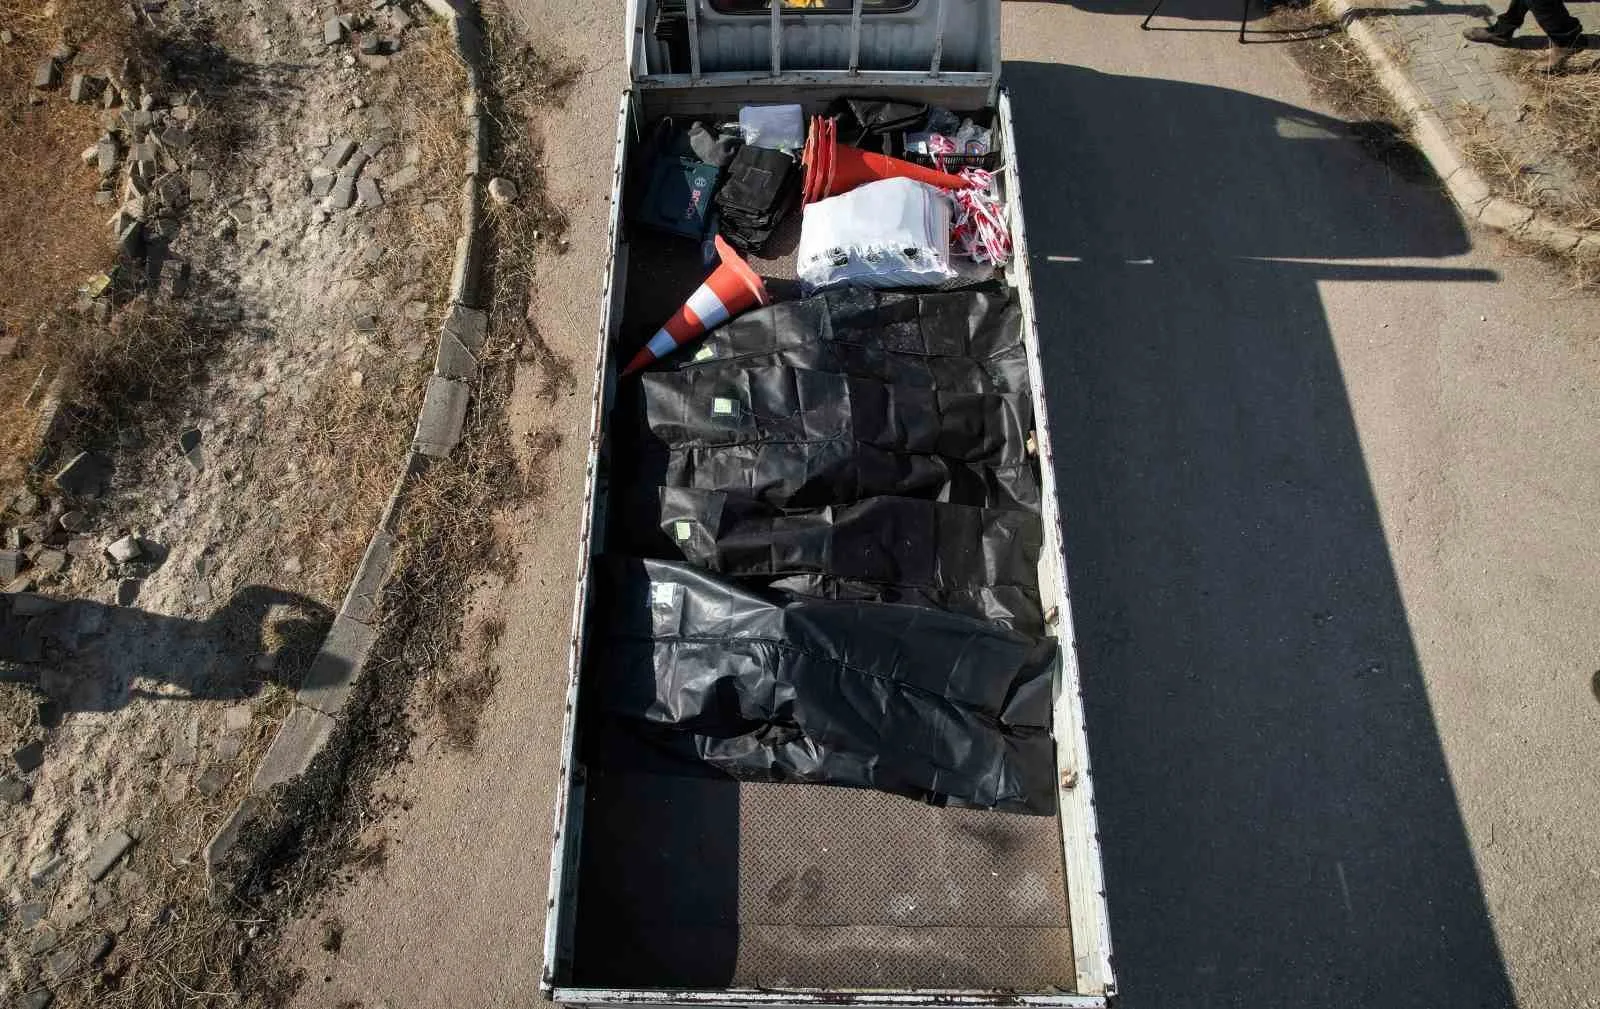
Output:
x=811 y=6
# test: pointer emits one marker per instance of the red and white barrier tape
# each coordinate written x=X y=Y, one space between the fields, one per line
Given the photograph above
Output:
x=978 y=229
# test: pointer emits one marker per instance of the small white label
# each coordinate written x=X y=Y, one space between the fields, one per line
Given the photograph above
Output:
x=682 y=530
x=722 y=407
x=705 y=353
x=662 y=593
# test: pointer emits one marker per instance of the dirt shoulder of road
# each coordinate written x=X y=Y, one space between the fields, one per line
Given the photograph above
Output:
x=237 y=222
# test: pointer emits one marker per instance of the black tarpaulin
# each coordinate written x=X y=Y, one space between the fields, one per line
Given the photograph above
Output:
x=801 y=438
x=982 y=562
x=900 y=698
x=959 y=341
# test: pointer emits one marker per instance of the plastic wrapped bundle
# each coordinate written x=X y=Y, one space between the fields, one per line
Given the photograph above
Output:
x=958 y=341
x=911 y=701
x=890 y=233
x=980 y=562
x=797 y=438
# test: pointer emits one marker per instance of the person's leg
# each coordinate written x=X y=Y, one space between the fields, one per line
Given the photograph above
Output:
x=1515 y=14
x=1499 y=32
x=1556 y=21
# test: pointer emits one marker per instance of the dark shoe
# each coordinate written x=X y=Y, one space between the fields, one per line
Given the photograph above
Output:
x=1556 y=58
x=1494 y=35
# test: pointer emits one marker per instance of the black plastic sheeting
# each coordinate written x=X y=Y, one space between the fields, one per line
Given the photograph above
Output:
x=900 y=698
x=801 y=438
x=957 y=341
x=841 y=513
x=981 y=562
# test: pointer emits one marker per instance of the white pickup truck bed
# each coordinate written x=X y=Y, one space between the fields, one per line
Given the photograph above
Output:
x=671 y=889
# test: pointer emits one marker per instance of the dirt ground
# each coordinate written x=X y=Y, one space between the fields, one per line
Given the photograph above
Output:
x=1451 y=429
x=249 y=470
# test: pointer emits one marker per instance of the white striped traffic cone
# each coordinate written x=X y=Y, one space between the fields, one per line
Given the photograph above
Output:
x=733 y=288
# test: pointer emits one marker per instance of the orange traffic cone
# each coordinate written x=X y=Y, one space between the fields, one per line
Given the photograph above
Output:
x=832 y=169
x=731 y=289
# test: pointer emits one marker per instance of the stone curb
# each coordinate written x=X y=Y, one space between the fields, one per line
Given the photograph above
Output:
x=319 y=703
x=1466 y=186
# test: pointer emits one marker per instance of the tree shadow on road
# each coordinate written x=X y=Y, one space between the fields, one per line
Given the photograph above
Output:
x=1276 y=813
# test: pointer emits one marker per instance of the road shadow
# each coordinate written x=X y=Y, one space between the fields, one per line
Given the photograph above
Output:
x=1276 y=814
x=90 y=656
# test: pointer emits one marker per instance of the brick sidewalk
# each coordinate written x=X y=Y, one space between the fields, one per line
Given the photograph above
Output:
x=1476 y=88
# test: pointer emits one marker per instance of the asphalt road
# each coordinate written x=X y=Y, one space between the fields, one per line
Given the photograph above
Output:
x=1331 y=477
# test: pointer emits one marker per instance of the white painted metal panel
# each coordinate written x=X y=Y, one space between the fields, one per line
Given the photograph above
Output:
x=1080 y=831
x=568 y=806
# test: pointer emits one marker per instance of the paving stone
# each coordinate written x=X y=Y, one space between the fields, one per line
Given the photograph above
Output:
x=84 y=88
x=125 y=549
x=44 y=940
x=299 y=740
x=332 y=674
x=213 y=780
x=443 y=414
x=333 y=31
x=11 y=564
x=29 y=756
x=51 y=562
x=38 y=998
x=200 y=185
x=364 y=597
x=454 y=360
x=31 y=604
x=63 y=963
x=321 y=185
x=44 y=869
x=338 y=153
x=13 y=791
x=186 y=744
x=47 y=74
x=107 y=853
x=469 y=325
x=228 y=747
x=399 y=180
x=343 y=195
x=31 y=912
x=238 y=718
x=370 y=195
x=128 y=591
x=83 y=476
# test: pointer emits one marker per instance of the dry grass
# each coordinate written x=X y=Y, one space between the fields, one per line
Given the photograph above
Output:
x=1562 y=119
x=435 y=86
x=174 y=948
x=450 y=528
x=359 y=438
x=56 y=237
x=1564 y=109
x=1510 y=173
x=1343 y=77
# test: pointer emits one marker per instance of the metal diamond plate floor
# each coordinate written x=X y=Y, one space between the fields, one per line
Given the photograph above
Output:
x=707 y=882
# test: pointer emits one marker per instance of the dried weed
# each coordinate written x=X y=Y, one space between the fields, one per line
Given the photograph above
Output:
x=1342 y=75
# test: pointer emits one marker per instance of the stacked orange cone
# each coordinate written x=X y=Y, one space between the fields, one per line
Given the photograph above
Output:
x=832 y=169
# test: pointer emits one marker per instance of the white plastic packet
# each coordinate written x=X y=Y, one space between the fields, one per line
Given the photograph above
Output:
x=890 y=233
x=779 y=127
